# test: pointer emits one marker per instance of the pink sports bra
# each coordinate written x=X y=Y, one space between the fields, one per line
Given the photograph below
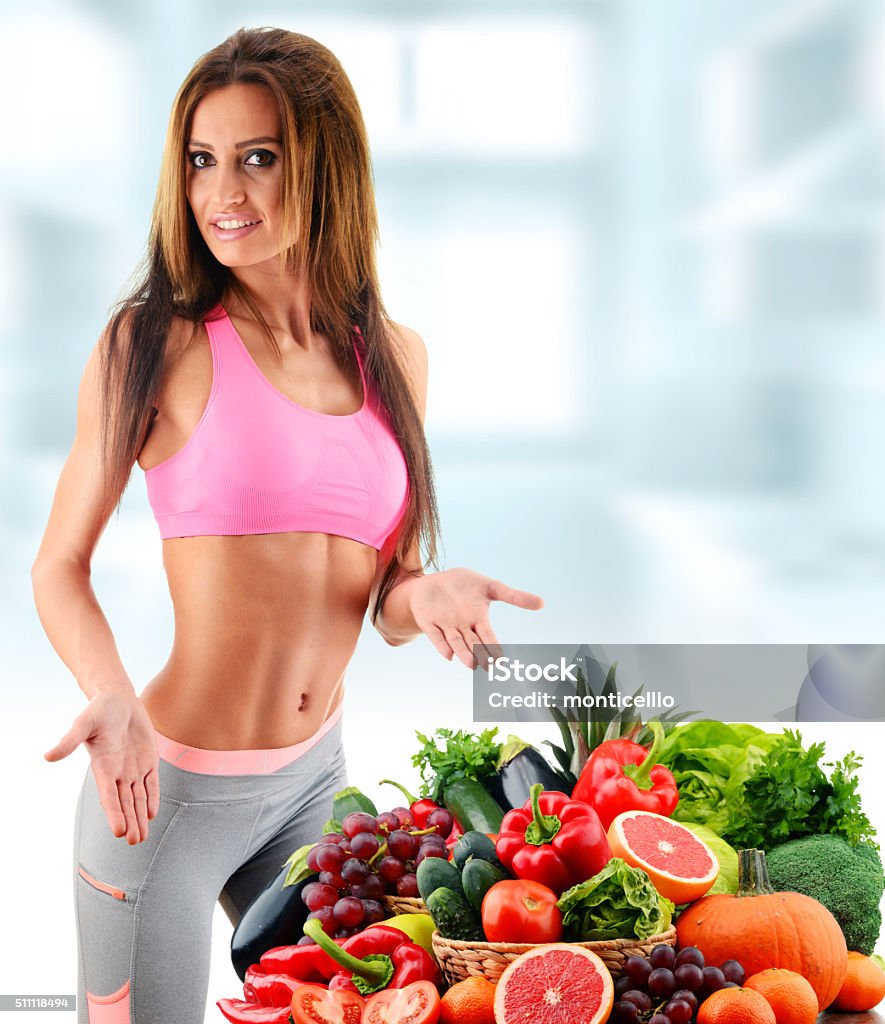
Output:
x=258 y=462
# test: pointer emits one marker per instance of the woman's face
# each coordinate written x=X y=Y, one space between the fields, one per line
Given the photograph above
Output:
x=234 y=174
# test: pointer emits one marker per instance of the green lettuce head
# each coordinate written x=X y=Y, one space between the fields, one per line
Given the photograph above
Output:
x=620 y=902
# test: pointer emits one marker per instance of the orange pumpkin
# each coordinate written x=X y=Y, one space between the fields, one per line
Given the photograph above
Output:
x=762 y=928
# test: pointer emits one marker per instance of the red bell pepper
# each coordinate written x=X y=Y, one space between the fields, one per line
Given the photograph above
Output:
x=376 y=958
x=621 y=775
x=553 y=840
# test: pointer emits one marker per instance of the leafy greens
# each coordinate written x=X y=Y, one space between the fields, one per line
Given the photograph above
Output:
x=617 y=903
x=755 y=788
x=463 y=756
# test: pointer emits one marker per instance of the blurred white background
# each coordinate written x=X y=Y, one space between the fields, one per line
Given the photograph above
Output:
x=645 y=245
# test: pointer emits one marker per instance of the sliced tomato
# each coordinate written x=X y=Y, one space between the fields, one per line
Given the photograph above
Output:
x=417 y=1003
x=315 y=1004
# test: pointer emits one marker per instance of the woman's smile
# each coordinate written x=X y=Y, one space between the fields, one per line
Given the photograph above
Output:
x=230 y=230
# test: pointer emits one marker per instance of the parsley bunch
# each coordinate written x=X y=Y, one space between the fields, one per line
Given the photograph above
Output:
x=789 y=795
x=463 y=755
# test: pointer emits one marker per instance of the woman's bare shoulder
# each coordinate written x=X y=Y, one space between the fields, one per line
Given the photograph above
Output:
x=411 y=345
x=409 y=338
x=413 y=352
x=186 y=368
x=181 y=334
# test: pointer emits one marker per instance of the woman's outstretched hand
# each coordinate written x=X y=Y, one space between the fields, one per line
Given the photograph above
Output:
x=117 y=731
x=452 y=608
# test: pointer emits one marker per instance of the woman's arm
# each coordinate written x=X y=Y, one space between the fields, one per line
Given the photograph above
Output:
x=114 y=726
x=66 y=603
x=451 y=607
x=395 y=621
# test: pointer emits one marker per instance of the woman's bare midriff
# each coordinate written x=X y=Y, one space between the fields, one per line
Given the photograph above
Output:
x=265 y=626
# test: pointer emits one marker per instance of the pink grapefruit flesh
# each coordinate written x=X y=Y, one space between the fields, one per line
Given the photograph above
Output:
x=681 y=866
x=554 y=984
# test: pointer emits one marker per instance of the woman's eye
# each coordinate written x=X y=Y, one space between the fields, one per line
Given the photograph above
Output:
x=264 y=158
x=199 y=160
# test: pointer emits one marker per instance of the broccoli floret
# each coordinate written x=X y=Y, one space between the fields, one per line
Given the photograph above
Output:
x=869 y=852
x=847 y=880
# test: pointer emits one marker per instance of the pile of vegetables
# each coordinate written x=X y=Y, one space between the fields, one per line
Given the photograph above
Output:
x=499 y=846
x=479 y=779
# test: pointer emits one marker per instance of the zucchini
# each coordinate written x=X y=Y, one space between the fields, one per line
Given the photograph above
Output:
x=475 y=844
x=453 y=916
x=477 y=877
x=346 y=801
x=472 y=805
x=435 y=873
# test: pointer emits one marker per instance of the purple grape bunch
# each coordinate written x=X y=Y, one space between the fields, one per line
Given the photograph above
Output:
x=371 y=857
x=668 y=987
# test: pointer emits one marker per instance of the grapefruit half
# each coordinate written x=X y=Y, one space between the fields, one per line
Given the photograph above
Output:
x=681 y=866
x=557 y=983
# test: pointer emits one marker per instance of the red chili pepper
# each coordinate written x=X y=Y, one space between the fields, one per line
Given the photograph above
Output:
x=376 y=958
x=379 y=939
x=553 y=840
x=621 y=775
x=269 y=989
x=305 y=963
x=420 y=809
x=240 y=1012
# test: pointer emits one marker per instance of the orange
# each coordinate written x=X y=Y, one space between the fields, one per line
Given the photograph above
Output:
x=469 y=1002
x=864 y=985
x=789 y=994
x=736 y=1006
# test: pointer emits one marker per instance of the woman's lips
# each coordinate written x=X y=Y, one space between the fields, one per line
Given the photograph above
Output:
x=230 y=235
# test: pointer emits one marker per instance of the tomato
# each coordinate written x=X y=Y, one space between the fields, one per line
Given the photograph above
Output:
x=315 y=1004
x=520 y=910
x=417 y=1003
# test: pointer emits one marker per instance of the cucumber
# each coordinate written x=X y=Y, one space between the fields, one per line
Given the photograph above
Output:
x=477 y=877
x=346 y=801
x=435 y=873
x=472 y=805
x=475 y=844
x=453 y=915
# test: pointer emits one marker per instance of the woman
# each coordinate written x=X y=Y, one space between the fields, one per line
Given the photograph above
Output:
x=277 y=414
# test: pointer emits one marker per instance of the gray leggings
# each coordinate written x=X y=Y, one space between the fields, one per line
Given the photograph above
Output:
x=144 y=912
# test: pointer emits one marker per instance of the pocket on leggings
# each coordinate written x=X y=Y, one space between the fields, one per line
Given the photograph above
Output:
x=105 y=920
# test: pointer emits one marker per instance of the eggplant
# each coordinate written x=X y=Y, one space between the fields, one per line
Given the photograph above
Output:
x=520 y=766
x=274 y=918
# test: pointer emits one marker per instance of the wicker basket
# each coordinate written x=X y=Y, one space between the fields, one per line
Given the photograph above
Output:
x=404 y=905
x=460 y=960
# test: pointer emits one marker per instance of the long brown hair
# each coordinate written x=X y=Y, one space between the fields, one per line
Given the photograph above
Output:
x=328 y=199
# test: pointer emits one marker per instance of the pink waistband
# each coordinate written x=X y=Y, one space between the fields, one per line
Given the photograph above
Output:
x=239 y=762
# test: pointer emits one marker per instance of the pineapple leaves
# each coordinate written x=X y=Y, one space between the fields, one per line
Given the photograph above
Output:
x=583 y=730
